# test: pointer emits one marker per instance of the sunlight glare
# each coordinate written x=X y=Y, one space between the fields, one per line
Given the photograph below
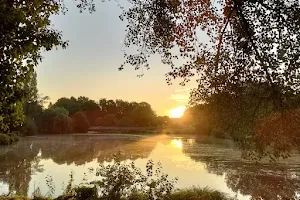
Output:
x=177 y=143
x=177 y=112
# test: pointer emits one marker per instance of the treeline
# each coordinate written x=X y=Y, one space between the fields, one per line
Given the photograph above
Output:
x=251 y=116
x=68 y=115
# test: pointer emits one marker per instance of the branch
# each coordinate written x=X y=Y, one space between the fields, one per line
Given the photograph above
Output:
x=221 y=40
x=251 y=39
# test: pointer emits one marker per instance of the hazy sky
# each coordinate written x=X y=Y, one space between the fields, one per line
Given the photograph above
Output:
x=89 y=66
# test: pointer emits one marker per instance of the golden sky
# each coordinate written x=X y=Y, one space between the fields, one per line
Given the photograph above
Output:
x=89 y=66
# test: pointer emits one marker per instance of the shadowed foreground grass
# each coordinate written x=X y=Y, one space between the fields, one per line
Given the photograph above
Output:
x=184 y=194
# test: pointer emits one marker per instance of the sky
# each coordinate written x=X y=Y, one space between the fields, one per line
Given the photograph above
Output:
x=89 y=65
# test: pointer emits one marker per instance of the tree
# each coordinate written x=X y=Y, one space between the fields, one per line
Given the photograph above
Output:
x=55 y=120
x=81 y=123
x=125 y=122
x=25 y=31
x=33 y=106
x=142 y=114
x=24 y=34
x=251 y=54
x=87 y=104
x=70 y=104
x=107 y=120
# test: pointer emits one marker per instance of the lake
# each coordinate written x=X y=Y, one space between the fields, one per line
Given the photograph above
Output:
x=25 y=166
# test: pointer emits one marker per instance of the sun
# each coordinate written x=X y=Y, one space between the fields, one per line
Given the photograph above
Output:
x=177 y=112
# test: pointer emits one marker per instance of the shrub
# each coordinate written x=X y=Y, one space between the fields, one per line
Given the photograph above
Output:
x=30 y=127
x=81 y=123
x=13 y=138
x=198 y=194
x=86 y=193
x=14 y=198
x=4 y=139
x=121 y=180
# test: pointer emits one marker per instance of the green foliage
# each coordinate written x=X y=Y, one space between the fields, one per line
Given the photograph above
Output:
x=13 y=138
x=81 y=123
x=29 y=127
x=89 y=193
x=246 y=69
x=55 y=120
x=12 y=117
x=142 y=114
x=120 y=180
x=10 y=138
x=26 y=32
x=14 y=198
x=74 y=105
x=198 y=194
x=86 y=193
x=4 y=139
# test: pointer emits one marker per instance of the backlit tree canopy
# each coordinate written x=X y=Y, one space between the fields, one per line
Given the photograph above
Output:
x=244 y=54
x=252 y=41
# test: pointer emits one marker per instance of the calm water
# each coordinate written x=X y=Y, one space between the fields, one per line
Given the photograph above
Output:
x=24 y=166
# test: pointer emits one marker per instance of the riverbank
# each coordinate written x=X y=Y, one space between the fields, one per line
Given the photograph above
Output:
x=143 y=130
x=85 y=193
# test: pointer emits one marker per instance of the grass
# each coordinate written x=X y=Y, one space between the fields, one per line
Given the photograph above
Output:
x=199 y=194
x=182 y=194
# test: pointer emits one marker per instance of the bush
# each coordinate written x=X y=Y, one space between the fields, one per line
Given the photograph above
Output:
x=13 y=138
x=30 y=127
x=198 y=194
x=121 y=180
x=81 y=123
x=14 y=198
x=4 y=139
x=86 y=193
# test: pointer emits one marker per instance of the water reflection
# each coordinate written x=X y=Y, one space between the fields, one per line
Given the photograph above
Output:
x=218 y=166
x=263 y=180
x=20 y=162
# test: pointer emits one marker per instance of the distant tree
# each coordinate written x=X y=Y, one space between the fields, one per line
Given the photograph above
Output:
x=123 y=107
x=33 y=106
x=81 y=123
x=74 y=105
x=99 y=121
x=142 y=114
x=55 y=120
x=161 y=121
x=125 y=122
x=87 y=104
x=30 y=127
x=107 y=120
x=70 y=104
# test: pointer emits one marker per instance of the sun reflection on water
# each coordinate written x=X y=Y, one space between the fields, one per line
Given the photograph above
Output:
x=177 y=143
